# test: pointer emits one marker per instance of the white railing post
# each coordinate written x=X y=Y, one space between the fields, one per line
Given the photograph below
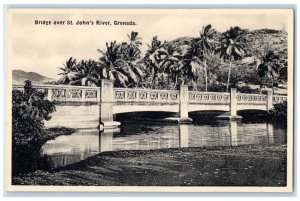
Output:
x=269 y=100
x=49 y=94
x=233 y=102
x=107 y=99
x=83 y=95
x=184 y=102
x=98 y=94
x=184 y=105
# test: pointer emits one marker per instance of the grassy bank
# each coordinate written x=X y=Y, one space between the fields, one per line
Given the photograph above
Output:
x=218 y=166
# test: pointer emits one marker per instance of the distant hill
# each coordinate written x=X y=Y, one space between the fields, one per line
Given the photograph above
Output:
x=19 y=76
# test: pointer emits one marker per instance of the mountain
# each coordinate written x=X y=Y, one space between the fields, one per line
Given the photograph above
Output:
x=19 y=76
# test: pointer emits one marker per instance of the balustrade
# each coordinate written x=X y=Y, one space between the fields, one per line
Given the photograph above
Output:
x=65 y=93
x=209 y=97
x=144 y=95
x=251 y=98
x=279 y=99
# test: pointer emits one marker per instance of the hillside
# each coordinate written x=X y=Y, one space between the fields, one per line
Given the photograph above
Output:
x=19 y=76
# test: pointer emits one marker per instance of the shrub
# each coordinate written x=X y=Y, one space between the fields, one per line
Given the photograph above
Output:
x=29 y=110
x=279 y=112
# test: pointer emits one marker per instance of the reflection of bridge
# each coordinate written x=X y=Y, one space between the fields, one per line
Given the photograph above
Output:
x=70 y=149
x=206 y=136
x=77 y=105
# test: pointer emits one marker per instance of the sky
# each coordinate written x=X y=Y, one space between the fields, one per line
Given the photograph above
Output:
x=43 y=49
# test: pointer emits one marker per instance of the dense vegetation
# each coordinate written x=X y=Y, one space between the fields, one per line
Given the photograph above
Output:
x=279 y=112
x=212 y=61
x=29 y=111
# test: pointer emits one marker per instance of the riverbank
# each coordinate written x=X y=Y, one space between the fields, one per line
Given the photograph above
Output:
x=215 y=166
x=51 y=133
x=26 y=158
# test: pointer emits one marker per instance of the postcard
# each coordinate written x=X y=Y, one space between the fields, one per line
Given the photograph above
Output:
x=149 y=100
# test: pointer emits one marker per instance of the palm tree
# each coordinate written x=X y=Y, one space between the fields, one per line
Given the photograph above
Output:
x=88 y=73
x=129 y=64
x=119 y=63
x=152 y=60
x=134 y=40
x=69 y=71
x=231 y=48
x=169 y=56
x=191 y=64
x=130 y=55
x=269 y=67
x=109 y=64
x=206 y=42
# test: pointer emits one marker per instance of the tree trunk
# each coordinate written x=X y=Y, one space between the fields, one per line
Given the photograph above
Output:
x=205 y=67
x=195 y=85
x=273 y=85
x=176 y=80
x=228 y=80
x=153 y=80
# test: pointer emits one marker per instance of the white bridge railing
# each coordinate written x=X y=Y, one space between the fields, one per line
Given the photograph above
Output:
x=146 y=95
x=67 y=93
x=209 y=97
x=243 y=98
x=278 y=99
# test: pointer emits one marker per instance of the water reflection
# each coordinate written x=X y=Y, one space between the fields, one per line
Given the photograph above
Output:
x=105 y=141
x=183 y=135
x=233 y=133
x=145 y=136
x=270 y=131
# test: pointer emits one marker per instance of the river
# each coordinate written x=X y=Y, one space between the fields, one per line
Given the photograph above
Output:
x=135 y=135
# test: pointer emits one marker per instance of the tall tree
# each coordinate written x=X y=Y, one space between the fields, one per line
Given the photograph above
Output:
x=109 y=64
x=134 y=39
x=130 y=59
x=120 y=62
x=231 y=48
x=69 y=71
x=207 y=44
x=269 y=67
x=88 y=73
x=191 y=64
x=152 y=59
x=130 y=65
x=169 y=55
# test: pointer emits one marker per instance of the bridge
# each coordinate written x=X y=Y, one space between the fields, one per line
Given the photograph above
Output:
x=82 y=106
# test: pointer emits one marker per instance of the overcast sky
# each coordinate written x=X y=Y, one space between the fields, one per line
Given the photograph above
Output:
x=42 y=49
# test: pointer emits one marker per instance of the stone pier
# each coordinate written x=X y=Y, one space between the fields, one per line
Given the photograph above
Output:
x=184 y=105
x=106 y=105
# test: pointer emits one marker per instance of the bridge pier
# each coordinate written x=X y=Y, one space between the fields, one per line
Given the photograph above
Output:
x=269 y=100
x=106 y=105
x=233 y=107
x=184 y=105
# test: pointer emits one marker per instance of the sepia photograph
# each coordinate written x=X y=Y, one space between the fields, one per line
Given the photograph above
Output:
x=150 y=100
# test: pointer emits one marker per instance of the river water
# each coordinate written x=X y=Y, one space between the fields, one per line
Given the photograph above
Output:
x=145 y=136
